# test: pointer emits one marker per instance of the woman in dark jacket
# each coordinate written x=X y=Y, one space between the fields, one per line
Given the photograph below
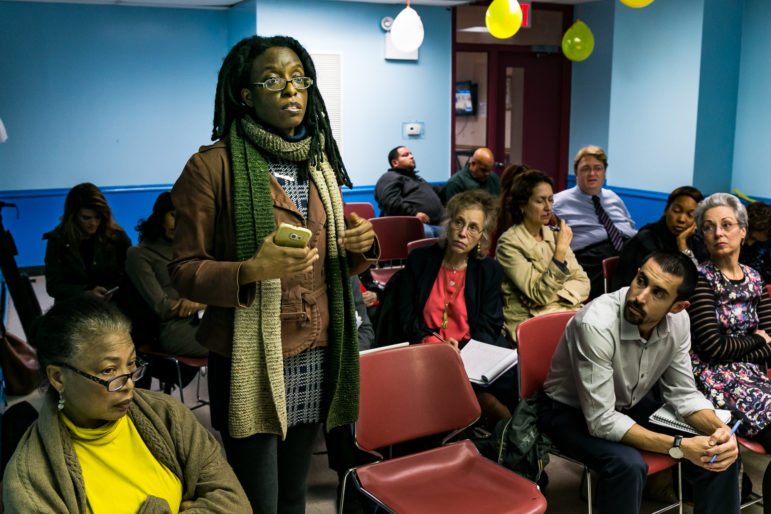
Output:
x=86 y=252
x=674 y=232
x=451 y=291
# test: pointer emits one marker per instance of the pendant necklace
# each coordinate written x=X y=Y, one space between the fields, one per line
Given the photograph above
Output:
x=449 y=283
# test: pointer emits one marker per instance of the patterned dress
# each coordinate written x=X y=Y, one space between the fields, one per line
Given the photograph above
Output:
x=728 y=360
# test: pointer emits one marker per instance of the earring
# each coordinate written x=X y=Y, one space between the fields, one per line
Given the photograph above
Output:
x=479 y=247
x=60 y=405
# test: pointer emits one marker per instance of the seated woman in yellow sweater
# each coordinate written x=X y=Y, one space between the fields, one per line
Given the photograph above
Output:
x=540 y=272
x=100 y=445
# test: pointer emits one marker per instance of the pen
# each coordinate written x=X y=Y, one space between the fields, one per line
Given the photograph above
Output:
x=733 y=431
x=436 y=335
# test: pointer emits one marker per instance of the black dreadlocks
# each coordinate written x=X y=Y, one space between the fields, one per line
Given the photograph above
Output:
x=235 y=75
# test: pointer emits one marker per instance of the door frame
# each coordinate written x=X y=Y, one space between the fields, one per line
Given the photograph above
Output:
x=496 y=75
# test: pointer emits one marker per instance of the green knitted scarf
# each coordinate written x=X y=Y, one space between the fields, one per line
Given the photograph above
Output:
x=257 y=395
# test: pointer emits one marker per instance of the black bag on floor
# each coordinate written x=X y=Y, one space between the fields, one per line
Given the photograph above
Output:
x=517 y=444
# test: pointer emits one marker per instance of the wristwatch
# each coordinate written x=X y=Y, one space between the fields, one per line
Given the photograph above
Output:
x=688 y=253
x=676 y=452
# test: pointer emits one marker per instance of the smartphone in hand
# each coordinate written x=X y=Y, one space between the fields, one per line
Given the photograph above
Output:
x=290 y=235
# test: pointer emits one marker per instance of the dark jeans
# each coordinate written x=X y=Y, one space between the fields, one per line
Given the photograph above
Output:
x=590 y=259
x=274 y=473
x=621 y=468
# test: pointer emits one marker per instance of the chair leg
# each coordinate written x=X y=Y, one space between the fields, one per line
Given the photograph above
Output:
x=179 y=381
x=342 y=491
x=588 y=474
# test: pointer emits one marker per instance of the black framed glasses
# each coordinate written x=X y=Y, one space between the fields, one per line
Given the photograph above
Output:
x=116 y=383
x=279 y=83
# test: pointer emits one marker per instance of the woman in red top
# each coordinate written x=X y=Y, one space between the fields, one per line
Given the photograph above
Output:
x=453 y=288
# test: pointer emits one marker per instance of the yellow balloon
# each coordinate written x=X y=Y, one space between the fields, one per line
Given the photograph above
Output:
x=503 y=18
x=578 y=42
x=636 y=3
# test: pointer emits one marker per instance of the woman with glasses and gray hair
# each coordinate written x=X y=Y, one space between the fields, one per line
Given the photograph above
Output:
x=730 y=323
x=99 y=439
x=451 y=291
x=541 y=273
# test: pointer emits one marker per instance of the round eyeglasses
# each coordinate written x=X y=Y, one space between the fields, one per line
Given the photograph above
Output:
x=279 y=83
x=116 y=383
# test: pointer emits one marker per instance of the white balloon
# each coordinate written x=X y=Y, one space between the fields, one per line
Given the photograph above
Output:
x=407 y=30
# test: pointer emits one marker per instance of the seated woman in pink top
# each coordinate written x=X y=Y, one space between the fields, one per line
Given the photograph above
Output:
x=453 y=288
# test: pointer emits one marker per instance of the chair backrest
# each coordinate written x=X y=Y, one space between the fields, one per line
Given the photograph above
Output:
x=608 y=267
x=411 y=392
x=421 y=242
x=393 y=234
x=363 y=209
x=537 y=338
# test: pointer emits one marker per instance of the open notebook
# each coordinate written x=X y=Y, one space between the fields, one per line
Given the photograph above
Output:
x=666 y=416
x=484 y=362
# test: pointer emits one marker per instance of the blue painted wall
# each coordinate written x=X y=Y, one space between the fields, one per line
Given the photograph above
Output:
x=591 y=79
x=654 y=94
x=715 y=130
x=751 y=168
x=378 y=95
x=110 y=95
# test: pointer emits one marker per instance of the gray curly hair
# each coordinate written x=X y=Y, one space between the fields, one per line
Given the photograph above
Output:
x=720 y=200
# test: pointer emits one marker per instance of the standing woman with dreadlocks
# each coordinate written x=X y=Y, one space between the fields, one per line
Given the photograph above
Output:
x=279 y=321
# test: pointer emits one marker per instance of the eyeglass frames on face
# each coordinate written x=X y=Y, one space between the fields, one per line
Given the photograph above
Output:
x=471 y=228
x=726 y=227
x=276 y=84
x=116 y=383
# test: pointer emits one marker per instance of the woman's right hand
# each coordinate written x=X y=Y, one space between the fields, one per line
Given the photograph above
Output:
x=182 y=308
x=564 y=237
x=98 y=292
x=766 y=337
x=274 y=261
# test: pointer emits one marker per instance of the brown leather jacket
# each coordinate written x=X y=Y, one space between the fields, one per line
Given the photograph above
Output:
x=205 y=269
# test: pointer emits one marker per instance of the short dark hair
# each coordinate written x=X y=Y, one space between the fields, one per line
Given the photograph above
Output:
x=394 y=154
x=684 y=191
x=151 y=229
x=677 y=264
x=759 y=217
x=60 y=333
x=522 y=188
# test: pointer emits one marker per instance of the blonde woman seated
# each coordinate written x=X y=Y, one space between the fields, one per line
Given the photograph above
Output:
x=540 y=272
x=102 y=445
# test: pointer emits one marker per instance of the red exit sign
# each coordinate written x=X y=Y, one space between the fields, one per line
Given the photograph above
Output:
x=525 y=14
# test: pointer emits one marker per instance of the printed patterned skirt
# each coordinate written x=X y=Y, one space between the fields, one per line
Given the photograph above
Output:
x=741 y=387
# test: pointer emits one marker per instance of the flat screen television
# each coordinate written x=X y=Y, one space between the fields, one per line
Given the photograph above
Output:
x=465 y=98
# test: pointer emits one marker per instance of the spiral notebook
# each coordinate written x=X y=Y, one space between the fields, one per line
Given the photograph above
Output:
x=666 y=417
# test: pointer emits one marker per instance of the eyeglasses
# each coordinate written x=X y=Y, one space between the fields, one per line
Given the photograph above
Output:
x=726 y=226
x=279 y=83
x=472 y=229
x=117 y=383
x=586 y=169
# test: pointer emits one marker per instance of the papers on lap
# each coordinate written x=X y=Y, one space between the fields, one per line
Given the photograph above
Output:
x=666 y=417
x=484 y=362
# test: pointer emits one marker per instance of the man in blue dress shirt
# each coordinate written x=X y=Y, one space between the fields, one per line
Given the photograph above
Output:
x=597 y=216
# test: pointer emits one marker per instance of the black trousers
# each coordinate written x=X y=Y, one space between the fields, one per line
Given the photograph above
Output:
x=623 y=471
x=273 y=473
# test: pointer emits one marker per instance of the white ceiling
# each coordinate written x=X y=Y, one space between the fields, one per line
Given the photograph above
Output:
x=225 y=4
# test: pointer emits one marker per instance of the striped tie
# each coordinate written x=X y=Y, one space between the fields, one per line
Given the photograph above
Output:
x=613 y=234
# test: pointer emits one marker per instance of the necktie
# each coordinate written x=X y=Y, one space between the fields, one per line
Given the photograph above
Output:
x=613 y=234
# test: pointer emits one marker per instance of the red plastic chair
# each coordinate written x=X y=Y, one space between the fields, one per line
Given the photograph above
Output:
x=194 y=362
x=754 y=447
x=421 y=242
x=537 y=339
x=393 y=234
x=363 y=209
x=608 y=267
x=417 y=391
